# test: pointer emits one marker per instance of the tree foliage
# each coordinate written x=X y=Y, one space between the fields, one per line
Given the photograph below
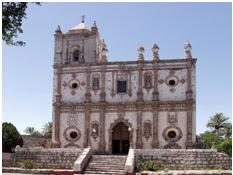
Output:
x=32 y=131
x=220 y=134
x=13 y=14
x=10 y=137
x=47 y=129
x=217 y=122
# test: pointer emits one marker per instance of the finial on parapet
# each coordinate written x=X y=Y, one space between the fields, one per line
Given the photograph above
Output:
x=58 y=30
x=141 y=53
x=155 y=50
x=188 y=50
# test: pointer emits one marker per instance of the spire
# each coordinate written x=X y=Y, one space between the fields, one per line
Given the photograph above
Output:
x=188 y=50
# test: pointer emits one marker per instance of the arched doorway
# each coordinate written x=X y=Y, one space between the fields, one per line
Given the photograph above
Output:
x=120 y=139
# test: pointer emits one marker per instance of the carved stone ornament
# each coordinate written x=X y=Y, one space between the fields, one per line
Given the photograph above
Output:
x=172 y=118
x=95 y=129
x=72 y=120
x=95 y=82
x=172 y=90
x=182 y=81
x=147 y=129
x=161 y=81
x=148 y=81
x=64 y=85
x=83 y=83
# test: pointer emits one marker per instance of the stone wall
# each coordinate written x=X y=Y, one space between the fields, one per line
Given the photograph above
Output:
x=7 y=160
x=48 y=158
x=180 y=159
x=36 y=141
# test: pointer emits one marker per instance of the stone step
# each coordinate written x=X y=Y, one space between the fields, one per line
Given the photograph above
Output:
x=106 y=164
x=105 y=157
x=105 y=168
x=104 y=172
x=116 y=160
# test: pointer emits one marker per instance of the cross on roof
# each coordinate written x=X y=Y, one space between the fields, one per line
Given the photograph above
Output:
x=83 y=17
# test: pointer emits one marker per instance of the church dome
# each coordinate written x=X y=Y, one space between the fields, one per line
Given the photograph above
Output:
x=81 y=26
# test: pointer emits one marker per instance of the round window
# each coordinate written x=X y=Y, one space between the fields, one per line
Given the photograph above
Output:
x=73 y=135
x=172 y=82
x=74 y=85
x=171 y=134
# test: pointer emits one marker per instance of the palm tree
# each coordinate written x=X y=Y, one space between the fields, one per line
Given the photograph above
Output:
x=217 y=122
x=31 y=131
x=227 y=130
x=47 y=129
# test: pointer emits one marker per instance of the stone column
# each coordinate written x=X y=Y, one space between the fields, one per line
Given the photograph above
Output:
x=87 y=126
x=57 y=106
x=189 y=142
x=189 y=91
x=102 y=129
x=155 y=141
x=156 y=92
x=102 y=93
x=189 y=98
x=139 y=130
x=140 y=93
x=88 y=94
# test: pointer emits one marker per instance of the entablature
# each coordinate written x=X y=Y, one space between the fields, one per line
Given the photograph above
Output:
x=130 y=107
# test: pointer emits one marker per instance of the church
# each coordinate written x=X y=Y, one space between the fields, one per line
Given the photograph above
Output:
x=113 y=106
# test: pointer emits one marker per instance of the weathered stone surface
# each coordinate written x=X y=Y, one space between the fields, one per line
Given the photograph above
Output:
x=185 y=158
x=59 y=158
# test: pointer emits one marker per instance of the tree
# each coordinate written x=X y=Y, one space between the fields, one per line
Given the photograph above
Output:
x=31 y=131
x=10 y=137
x=209 y=139
x=217 y=122
x=219 y=136
x=47 y=129
x=225 y=146
x=13 y=14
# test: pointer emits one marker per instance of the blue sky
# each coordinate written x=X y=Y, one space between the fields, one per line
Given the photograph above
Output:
x=28 y=73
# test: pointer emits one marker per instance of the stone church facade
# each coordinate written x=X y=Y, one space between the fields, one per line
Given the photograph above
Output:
x=112 y=106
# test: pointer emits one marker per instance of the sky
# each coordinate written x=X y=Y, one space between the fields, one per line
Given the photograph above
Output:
x=28 y=72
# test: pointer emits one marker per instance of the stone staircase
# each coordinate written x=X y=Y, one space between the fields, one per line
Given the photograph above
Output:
x=106 y=164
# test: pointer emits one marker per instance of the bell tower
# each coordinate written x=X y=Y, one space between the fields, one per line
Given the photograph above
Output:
x=80 y=45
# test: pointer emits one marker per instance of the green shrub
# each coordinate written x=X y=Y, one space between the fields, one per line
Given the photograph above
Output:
x=10 y=137
x=27 y=164
x=147 y=165
x=225 y=146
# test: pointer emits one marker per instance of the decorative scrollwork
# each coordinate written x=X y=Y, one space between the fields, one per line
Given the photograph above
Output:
x=95 y=129
x=147 y=129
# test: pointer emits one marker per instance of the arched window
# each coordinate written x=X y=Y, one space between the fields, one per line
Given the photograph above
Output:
x=76 y=54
